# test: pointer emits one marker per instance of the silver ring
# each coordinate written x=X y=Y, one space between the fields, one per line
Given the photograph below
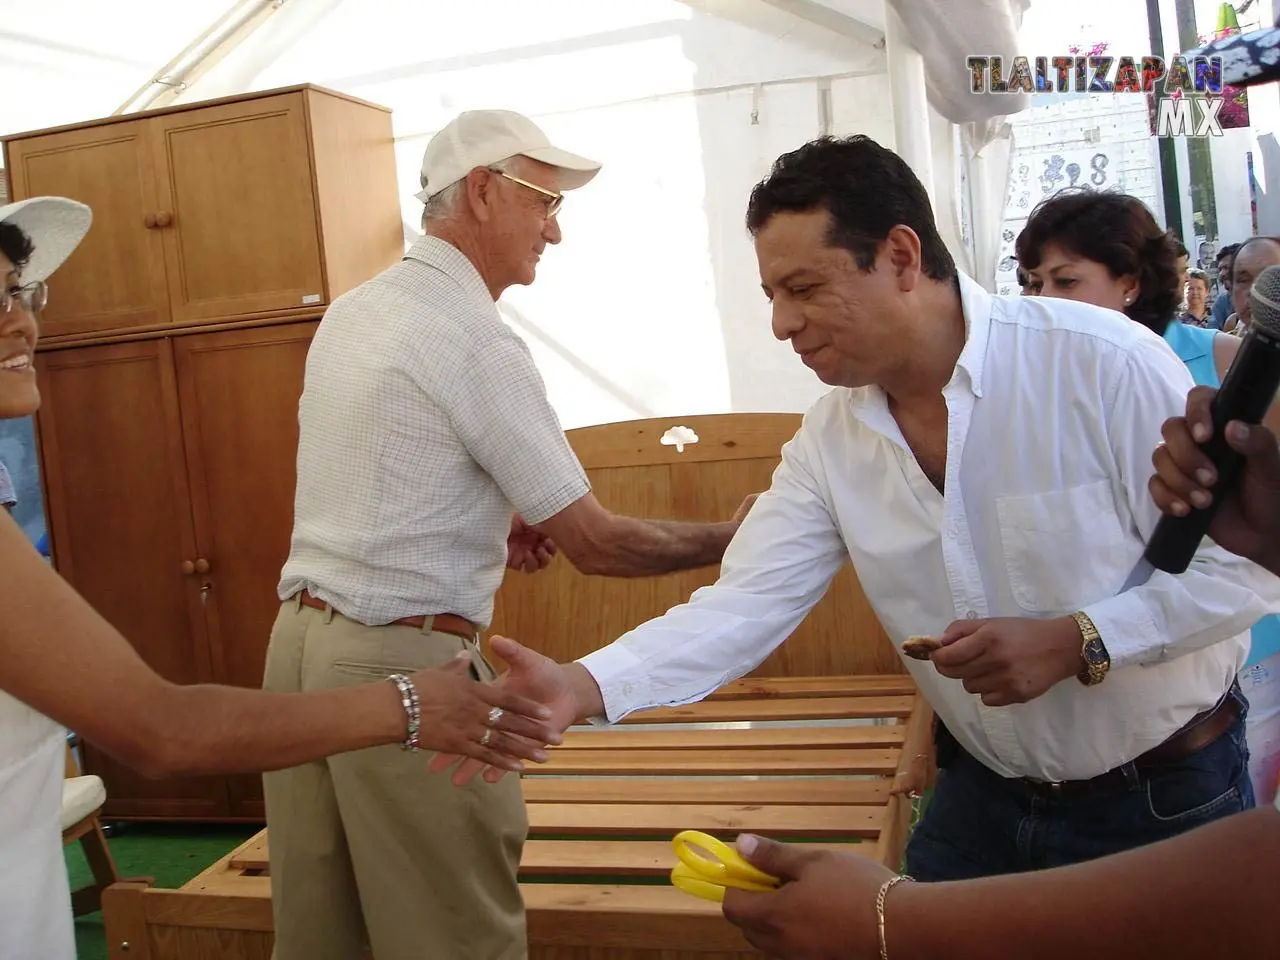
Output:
x=495 y=714
x=484 y=740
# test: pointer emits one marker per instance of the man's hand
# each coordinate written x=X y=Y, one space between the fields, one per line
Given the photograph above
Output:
x=1248 y=521
x=528 y=550
x=532 y=677
x=743 y=509
x=1009 y=659
x=825 y=910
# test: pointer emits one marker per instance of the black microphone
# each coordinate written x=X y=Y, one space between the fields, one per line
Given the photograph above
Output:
x=1247 y=391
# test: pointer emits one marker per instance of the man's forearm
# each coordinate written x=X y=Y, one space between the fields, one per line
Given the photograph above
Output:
x=1203 y=894
x=642 y=548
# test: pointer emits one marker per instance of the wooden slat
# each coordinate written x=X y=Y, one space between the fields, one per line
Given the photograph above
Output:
x=699 y=762
x=863 y=686
x=896 y=822
x=803 y=791
x=250 y=855
x=580 y=920
x=791 y=738
x=608 y=819
x=781 y=708
x=621 y=858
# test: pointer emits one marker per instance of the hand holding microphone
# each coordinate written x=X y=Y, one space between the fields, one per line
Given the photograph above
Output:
x=1218 y=471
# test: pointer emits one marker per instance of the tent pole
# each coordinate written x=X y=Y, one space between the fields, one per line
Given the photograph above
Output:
x=910 y=101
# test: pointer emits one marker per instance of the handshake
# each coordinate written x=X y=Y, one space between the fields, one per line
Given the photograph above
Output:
x=495 y=727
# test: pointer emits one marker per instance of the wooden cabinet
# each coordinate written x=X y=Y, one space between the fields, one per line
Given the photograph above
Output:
x=171 y=363
x=263 y=206
x=169 y=467
x=116 y=278
x=238 y=393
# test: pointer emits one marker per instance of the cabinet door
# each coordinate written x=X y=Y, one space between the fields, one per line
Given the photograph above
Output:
x=240 y=393
x=121 y=526
x=116 y=277
x=242 y=227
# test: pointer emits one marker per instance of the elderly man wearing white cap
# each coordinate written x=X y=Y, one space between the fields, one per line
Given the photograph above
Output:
x=428 y=457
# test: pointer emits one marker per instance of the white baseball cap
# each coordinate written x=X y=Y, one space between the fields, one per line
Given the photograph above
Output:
x=55 y=227
x=481 y=138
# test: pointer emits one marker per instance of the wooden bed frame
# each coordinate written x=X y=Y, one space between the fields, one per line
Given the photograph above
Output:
x=805 y=748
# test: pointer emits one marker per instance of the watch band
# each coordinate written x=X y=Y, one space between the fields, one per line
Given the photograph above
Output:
x=1095 y=661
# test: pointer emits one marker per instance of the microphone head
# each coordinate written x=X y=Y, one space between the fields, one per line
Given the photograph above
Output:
x=1264 y=301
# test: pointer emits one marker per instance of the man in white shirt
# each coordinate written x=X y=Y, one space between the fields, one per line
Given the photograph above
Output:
x=983 y=461
x=424 y=426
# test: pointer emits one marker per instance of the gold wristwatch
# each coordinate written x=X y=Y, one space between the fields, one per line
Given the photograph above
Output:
x=1095 y=661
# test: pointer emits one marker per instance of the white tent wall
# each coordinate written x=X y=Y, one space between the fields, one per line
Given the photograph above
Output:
x=651 y=306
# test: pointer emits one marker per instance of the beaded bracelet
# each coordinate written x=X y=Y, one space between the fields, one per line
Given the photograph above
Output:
x=412 y=709
x=884 y=891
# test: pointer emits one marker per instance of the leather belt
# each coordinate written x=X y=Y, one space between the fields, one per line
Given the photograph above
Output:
x=449 y=623
x=1192 y=738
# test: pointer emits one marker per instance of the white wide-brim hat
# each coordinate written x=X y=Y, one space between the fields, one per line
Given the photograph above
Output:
x=55 y=226
x=481 y=138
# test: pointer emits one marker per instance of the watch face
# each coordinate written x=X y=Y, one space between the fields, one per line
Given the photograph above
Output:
x=1094 y=653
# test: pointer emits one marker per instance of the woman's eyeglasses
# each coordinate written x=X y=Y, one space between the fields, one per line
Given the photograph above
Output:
x=32 y=296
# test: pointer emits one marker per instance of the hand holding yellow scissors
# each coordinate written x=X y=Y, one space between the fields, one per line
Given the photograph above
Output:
x=706 y=874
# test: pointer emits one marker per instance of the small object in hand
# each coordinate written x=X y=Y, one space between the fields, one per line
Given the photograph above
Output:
x=707 y=866
x=921 y=648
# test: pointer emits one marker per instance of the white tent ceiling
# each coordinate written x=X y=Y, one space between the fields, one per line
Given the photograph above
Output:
x=686 y=102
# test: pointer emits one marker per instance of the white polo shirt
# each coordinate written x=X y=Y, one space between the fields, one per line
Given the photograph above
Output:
x=423 y=425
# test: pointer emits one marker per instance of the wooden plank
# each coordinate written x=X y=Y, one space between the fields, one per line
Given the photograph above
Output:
x=124 y=914
x=250 y=855
x=585 y=819
x=699 y=762
x=600 y=917
x=896 y=823
x=621 y=858
x=803 y=791
x=792 y=738
x=244 y=905
x=781 y=708
x=861 y=686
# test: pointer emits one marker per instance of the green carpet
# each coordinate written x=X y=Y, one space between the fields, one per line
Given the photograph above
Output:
x=171 y=853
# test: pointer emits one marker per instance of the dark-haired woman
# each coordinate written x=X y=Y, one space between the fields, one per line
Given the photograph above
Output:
x=1107 y=249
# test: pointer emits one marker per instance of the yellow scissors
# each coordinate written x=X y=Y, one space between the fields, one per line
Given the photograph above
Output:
x=706 y=874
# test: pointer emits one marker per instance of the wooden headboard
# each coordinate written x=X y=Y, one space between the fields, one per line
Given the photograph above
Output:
x=565 y=614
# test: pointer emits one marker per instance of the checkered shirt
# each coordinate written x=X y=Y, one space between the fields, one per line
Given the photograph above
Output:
x=423 y=424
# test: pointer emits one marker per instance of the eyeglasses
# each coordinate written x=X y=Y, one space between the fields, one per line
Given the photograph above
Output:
x=556 y=198
x=32 y=296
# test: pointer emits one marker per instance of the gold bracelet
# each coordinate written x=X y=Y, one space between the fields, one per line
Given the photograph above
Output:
x=884 y=892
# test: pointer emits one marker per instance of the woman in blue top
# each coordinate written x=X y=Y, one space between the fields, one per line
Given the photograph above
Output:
x=1107 y=249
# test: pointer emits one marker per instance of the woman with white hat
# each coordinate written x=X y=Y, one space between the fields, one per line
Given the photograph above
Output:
x=62 y=665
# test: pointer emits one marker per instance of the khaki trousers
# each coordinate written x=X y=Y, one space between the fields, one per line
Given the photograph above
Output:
x=371 y=851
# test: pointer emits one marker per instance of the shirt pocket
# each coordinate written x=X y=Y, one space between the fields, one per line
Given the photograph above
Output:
x=1060 y=547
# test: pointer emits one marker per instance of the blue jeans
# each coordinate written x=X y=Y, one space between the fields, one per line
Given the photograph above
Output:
x=979 y=824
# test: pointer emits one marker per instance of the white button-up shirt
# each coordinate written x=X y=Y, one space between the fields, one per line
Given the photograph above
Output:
x=423 y=423
x=1053 y=411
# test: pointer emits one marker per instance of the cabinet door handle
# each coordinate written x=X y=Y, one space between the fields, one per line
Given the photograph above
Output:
x=163 y=219
x=188 y=568
x=149 y=221
x=204 y=593
x=202 y=565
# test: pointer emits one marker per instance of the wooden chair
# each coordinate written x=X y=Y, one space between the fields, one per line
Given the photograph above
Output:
x=82 y=798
